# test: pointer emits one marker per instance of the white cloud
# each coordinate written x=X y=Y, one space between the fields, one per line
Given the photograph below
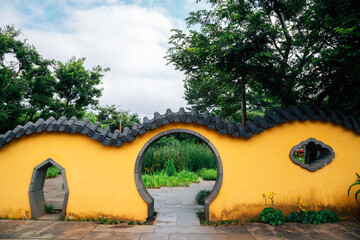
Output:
x=9 y=14
x=131 y=40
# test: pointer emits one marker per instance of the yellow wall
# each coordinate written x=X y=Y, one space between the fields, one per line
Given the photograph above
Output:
x=101 y=178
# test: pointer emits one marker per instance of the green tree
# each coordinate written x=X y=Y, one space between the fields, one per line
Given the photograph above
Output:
x=110 y=116
x=271 y=51
x=26 y=83
x=76 y=87
x=30 y=89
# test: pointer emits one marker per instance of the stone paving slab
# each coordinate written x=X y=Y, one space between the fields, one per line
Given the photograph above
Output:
x=262 y=231
x=98 y=235
x=77 y=231
x=351 y=226
x=184 y=236
x=10 y=225
x=52 y=230
x=127 y=236
x=124 y=229
x=185 y=229
x=292 y=231
x=152 y=236
x=25 y=230
x=327 y=231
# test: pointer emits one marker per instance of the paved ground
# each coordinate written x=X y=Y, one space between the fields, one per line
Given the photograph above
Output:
x=177 y=206
x=176 y=219
x=53 y=191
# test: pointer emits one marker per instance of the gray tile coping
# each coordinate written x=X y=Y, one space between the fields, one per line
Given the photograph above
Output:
x=106 y=137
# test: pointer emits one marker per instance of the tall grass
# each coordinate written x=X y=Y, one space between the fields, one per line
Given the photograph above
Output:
x=186 y=156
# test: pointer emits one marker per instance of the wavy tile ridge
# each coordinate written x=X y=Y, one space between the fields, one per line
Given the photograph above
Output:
x=258 y=125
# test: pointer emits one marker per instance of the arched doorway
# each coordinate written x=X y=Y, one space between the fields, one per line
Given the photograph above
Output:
x=36 y=190
x=138 y=167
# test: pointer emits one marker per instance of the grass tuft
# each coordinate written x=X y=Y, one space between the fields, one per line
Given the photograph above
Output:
x=49 y=208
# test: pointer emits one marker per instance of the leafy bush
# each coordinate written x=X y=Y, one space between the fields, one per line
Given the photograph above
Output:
x=161 y=179
x=170 y=168
x=272 y=216
x=202 y=195
x=208 y=174
x=313 y=217
x=52 y=172
x=49 y=208
x=357 y=182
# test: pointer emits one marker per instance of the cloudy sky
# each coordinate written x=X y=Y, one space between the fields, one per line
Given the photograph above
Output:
x=129 y=36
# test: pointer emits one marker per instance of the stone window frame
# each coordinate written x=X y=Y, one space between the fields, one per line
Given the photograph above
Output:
x=312 y=166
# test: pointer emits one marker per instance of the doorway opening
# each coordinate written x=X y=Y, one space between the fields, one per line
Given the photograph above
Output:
x=139 y=169
x=48 y=195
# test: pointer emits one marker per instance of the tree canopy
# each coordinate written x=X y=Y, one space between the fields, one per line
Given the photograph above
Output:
x=32 y=87
x=274 y=52
x=111 y=116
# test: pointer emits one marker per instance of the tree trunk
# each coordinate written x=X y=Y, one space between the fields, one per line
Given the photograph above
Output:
x=243 y=105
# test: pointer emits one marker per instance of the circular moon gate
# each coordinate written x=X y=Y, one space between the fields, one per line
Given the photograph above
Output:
x=140 y=158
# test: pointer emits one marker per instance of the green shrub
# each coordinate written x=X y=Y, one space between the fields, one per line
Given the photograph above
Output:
x=313 y=217
x=208 y=174
x=161 y=179
x=272 y=216
x=202 y=195
x=52 y=172
x=49 y=208
x=170 y=168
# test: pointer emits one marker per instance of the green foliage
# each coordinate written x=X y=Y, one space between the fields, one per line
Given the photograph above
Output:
x=279 y=53
x=272 y=216
x=208 y=174
x=202 y=195
x=76 y=87
x=313 y=217
x=357 y=182
x=52 y=172
x=200 y=216
x=49 y=208
x=110 y=116
x=102 y=220
x=170 y=169
x=185 y=154
x=32 y=87
x=161 y=179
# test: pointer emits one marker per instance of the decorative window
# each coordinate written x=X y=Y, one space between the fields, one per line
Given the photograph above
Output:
x=312 y=154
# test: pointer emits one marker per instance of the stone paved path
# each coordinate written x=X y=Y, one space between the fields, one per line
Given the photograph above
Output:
x=177 y=206
x=176 y=221
x=18 y=229
x=53 y=191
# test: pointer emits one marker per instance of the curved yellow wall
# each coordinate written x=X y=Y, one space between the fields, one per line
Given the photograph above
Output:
x=101 y=178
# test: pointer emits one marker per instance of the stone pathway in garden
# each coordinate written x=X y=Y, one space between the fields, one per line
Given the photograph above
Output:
x=176 y=206
x=54 y=194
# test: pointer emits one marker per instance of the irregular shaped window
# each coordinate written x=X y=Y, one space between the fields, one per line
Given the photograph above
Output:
x=312 y=154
